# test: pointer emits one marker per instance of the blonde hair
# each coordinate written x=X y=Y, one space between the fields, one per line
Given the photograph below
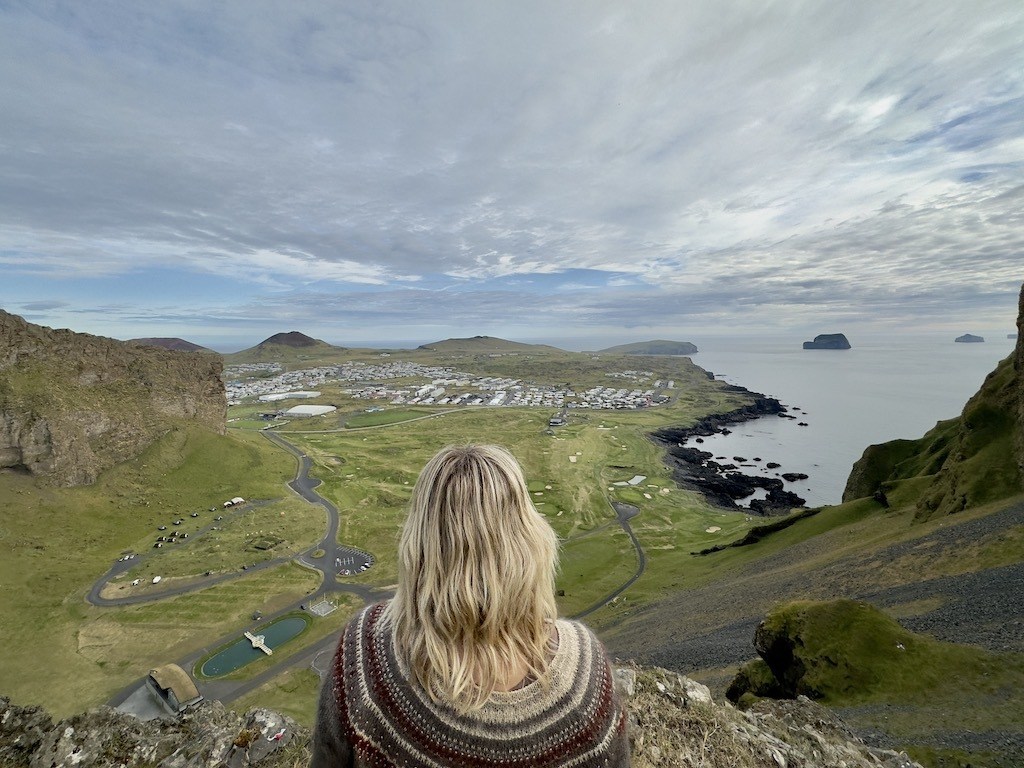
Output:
x=476 y=577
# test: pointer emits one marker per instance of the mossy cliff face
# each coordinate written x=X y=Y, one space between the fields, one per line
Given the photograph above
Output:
x=72 y=404
x=963 y=462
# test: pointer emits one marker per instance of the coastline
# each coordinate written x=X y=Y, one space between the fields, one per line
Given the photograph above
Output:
x=719 y=481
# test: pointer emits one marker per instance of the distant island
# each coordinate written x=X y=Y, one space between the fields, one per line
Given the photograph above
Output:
x=828 y=341
x=656 y=347
x=969 y=338
x=1011 y=335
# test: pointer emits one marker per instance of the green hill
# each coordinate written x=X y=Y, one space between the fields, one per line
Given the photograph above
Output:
x=656 y=347
x=488 y=344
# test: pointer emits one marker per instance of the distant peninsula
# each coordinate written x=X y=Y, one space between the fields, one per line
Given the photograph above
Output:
x=828 y=341
x=656 y=347
x=969 y=338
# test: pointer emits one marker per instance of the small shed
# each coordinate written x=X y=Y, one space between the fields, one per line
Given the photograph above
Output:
x=173 y=688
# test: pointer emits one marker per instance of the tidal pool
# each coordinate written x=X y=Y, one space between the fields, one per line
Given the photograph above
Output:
x=241 y=652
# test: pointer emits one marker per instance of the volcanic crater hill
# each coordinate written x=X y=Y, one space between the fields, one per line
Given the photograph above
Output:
x=287 y=348
x=73 y=404
x=963 y=462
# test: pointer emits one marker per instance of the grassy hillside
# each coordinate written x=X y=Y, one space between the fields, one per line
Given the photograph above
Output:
x=961 y=463
x=656 y=347
x=55 y=542
x=487 y=344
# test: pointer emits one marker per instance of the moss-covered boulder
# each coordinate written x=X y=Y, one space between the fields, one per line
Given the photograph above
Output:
x=847 y=651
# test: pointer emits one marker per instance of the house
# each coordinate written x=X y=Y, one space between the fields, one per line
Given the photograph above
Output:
x=173 y=688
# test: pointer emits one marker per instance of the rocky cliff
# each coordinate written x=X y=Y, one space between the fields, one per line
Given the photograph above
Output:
x=673 y=722
x=961 y=463
x=72 y=404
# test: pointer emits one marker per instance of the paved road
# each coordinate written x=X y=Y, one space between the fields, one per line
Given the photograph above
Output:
x=623 y=513
x=326 y=565
x=228 y=690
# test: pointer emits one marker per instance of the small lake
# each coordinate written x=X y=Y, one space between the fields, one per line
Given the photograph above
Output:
x=241 y=652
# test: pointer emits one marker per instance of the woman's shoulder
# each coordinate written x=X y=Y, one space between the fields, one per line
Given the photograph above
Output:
x=580 y=637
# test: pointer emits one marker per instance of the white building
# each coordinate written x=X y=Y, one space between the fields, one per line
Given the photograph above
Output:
x=305 y=411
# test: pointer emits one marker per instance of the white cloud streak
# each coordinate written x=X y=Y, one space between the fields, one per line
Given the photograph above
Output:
x=720 y=153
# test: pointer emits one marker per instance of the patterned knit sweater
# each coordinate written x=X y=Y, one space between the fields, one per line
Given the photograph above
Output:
x=371 y=715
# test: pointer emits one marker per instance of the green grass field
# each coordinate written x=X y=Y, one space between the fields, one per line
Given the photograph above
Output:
x=55 y=542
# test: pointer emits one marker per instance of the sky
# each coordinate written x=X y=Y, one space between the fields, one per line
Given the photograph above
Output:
x=579 y=173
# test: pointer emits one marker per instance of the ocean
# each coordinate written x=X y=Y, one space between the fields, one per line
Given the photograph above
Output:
x=880 y=390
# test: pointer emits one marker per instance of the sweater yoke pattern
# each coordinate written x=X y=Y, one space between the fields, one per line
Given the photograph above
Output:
x=575 y=720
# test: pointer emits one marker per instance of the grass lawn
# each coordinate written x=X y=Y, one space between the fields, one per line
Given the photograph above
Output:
x=55 y=542
x=293 y=693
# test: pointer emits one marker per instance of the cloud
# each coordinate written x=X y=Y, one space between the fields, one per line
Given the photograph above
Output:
x=771 y=158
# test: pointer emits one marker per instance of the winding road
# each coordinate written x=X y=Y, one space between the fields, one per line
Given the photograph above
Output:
x=303 y=485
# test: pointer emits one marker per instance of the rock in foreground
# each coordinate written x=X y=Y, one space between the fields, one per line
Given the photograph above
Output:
x=673 y=722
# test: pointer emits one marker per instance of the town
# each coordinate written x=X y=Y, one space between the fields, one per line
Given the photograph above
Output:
x=401 y=382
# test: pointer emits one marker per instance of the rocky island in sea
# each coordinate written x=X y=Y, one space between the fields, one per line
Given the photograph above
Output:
x=969 y=338
x=828 y=341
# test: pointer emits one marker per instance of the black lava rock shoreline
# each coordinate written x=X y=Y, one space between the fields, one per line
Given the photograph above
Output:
x=722 y=484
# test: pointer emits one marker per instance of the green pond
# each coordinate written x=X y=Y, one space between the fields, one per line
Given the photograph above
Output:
x=241 y=652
